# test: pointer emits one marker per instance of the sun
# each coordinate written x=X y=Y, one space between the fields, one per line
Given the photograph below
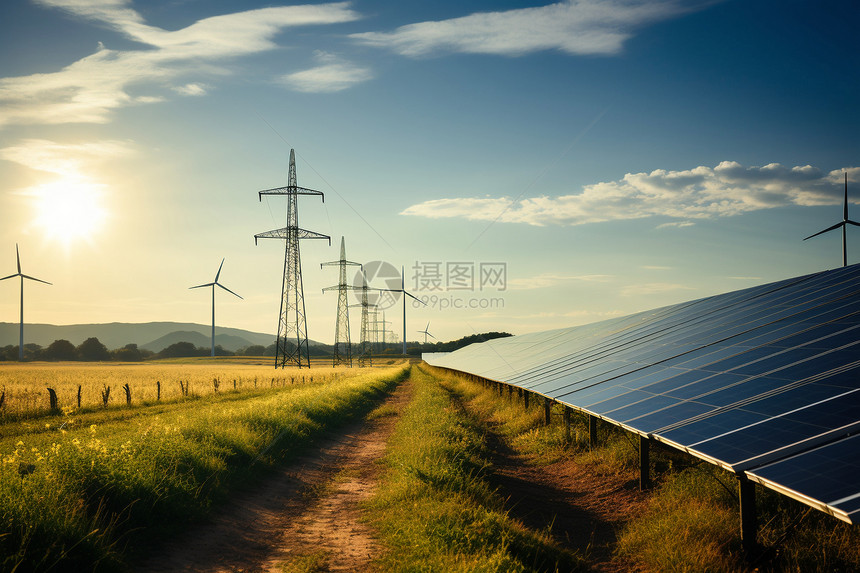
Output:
x=69 y=210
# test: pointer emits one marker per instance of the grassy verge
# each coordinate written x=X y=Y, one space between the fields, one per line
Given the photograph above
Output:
x=691 y=521
x=435 y=508
x=75 y=498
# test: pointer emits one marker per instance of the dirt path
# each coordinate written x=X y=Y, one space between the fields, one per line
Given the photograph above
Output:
x=585 y=510
x=310 y=510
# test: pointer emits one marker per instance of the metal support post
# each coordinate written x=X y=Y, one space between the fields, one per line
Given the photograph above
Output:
x=526 y=399
x=567 y=423
x=547 y=408
x=749 y=525
x=644 y=463
x=592 y=432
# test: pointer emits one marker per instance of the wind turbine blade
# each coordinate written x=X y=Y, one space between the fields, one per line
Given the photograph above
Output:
x=836 y=226
x=228 y=290
x=9 y=277
x=431 y=336
x=845 y=204
x=428 y=326
x=413 y=296
x=18 y=256
x=855 y=223
x=35 y=279
x=201 y=286
x=218 y=274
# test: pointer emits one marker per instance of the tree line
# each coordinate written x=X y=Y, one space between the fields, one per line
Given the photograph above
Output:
x=92 y=350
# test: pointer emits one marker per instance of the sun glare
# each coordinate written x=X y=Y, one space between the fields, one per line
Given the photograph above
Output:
x=69 y=210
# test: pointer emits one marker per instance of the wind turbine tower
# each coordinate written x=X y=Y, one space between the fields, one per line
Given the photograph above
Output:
x=292 y=343
x=342 y=345
x=213 y=284
x=405 y=293
x=21 y=324
x=844 y=223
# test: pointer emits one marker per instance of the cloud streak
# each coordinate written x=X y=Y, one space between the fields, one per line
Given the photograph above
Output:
x=578 y=27
x=701 y=193
x=332 y=75
x=90 y=89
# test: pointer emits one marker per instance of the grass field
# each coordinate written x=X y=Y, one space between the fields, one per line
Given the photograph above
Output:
x=79 y=490
x=24 y=387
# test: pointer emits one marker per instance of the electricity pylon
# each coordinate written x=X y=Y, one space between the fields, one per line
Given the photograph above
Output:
x=342 y=345
x=364 y=355
x=292 y=321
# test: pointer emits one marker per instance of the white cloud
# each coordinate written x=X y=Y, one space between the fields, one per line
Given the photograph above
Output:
x=701 y=193
x=332 y=75
x=582 y=27
x=192 y=89
x=549 y=279
x=652 y=288
x=676 y=225
x=63 y=158
x=89 y=89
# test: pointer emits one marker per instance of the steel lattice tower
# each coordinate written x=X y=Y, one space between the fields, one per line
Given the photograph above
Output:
x=365 y=355
x=342 y=345
x=292 y=342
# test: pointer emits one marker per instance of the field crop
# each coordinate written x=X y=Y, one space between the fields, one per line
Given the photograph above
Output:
x=24 y=387
x=82 y=490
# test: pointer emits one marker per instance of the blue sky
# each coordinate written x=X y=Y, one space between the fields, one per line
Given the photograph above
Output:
x=615 y=156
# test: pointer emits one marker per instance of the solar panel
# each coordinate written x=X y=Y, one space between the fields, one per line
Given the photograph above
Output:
x=742 y=379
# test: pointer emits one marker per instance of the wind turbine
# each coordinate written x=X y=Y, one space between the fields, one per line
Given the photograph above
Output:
x=213 y=284
x=403 y=290
x=844 y=223
x=426 y=332
x=21 y=326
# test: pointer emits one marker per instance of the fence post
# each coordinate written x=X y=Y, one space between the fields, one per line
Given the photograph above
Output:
x=52 y=399
x=547 y=410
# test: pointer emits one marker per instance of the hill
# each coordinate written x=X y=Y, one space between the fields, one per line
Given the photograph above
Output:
x=227 y=341
x=146 y=335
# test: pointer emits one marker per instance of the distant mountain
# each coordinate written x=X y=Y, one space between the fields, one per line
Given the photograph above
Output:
x=227 y=341
x=145 y=335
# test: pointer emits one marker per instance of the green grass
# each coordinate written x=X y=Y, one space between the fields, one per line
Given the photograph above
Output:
x=691 y=521
x=111 y=480
x=436 y=510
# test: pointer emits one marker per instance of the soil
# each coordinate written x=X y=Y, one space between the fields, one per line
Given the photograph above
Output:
x=583 y=510
x=310 y=510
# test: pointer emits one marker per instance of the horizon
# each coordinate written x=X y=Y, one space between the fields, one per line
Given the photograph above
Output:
x=540 y=165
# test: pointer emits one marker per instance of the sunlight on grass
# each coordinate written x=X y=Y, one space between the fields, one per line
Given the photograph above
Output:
x=103 y=476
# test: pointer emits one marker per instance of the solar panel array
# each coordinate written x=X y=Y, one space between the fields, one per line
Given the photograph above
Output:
x=764 y=381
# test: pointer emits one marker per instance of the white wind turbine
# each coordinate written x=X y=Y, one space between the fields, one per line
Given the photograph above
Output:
x=843 y=223
x=403 y=290
x=21 y=326
x=213 y=284
x=426 y=332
